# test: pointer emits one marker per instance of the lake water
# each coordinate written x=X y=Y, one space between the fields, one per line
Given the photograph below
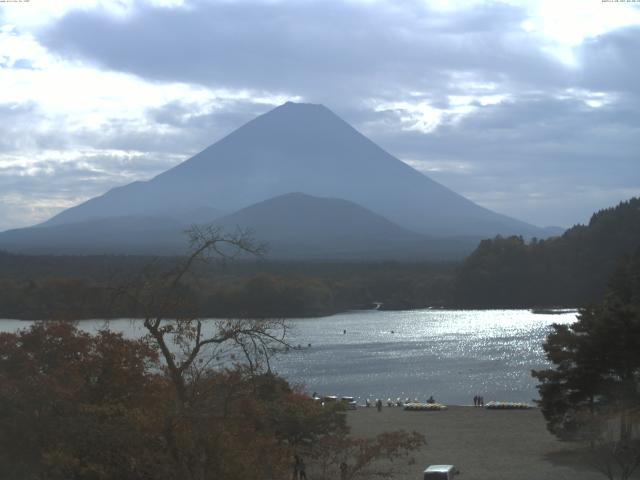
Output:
x=450 y=354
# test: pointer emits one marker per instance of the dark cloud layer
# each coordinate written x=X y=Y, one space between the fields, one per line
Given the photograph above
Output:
x=320 y=49
x=547 y=146
x=540 y=147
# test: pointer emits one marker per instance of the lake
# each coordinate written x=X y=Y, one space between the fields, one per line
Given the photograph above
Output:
x=450 y=354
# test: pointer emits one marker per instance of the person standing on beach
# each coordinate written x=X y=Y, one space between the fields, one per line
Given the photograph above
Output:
x=296 y=462
x=475 y=400
x=299 y=469
x=343 y=471
x=379 y=405
x=302 y=469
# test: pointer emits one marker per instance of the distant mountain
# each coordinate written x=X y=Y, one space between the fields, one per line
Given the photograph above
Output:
x=300 y=148
x=297 y=225
x=297 y=216
x=294 y=226
x=198 y=215
x=571 y=270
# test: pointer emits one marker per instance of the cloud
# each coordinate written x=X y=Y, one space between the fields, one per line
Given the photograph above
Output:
x=317 y=49
x=33 y=190
x=482 y=96
x=522 y=156
x=69 y=132
x=609 y=62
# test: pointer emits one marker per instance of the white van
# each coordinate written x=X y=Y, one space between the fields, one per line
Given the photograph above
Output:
x=440 y=472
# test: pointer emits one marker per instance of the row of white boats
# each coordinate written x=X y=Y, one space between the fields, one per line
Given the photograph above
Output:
x=415 y=405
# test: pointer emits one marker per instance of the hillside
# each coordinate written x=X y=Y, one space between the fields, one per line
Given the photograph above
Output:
x=570 y=270
x=296 y=225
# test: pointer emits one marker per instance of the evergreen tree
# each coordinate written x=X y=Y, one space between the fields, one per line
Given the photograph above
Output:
x=596 y=363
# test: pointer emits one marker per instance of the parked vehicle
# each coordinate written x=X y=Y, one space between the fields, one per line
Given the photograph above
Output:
x=329 y=400
x=349 y=402
x=440 y=472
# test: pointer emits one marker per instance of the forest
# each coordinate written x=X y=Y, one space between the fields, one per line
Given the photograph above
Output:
x=567 y=271
x=76 y=287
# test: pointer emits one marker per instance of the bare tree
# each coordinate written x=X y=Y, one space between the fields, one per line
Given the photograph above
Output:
x=171 y=315
x=191 y=347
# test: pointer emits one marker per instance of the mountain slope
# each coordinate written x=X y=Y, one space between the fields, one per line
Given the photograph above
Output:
x=295 y=226
x=571 y=270
x=128 y=234
x=303 y=148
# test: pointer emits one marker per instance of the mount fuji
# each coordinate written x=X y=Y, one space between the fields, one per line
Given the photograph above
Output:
x=303 y=148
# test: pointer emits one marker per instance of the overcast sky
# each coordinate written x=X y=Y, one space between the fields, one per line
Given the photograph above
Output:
x=528 y=108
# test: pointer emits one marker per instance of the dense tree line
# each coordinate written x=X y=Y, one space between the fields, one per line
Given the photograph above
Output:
x=571 y=270
x=75 y=287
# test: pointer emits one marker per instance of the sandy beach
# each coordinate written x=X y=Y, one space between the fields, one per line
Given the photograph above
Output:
x=482 y=444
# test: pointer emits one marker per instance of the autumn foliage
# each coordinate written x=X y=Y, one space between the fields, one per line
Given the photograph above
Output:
x=73 y=405
x=81 y=406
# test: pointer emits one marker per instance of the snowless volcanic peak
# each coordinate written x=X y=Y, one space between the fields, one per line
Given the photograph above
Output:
x=299 y=147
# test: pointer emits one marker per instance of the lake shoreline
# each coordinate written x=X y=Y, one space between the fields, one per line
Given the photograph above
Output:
x=535 y=311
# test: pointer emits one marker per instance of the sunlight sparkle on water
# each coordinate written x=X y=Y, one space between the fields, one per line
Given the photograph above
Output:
x=451 y=354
